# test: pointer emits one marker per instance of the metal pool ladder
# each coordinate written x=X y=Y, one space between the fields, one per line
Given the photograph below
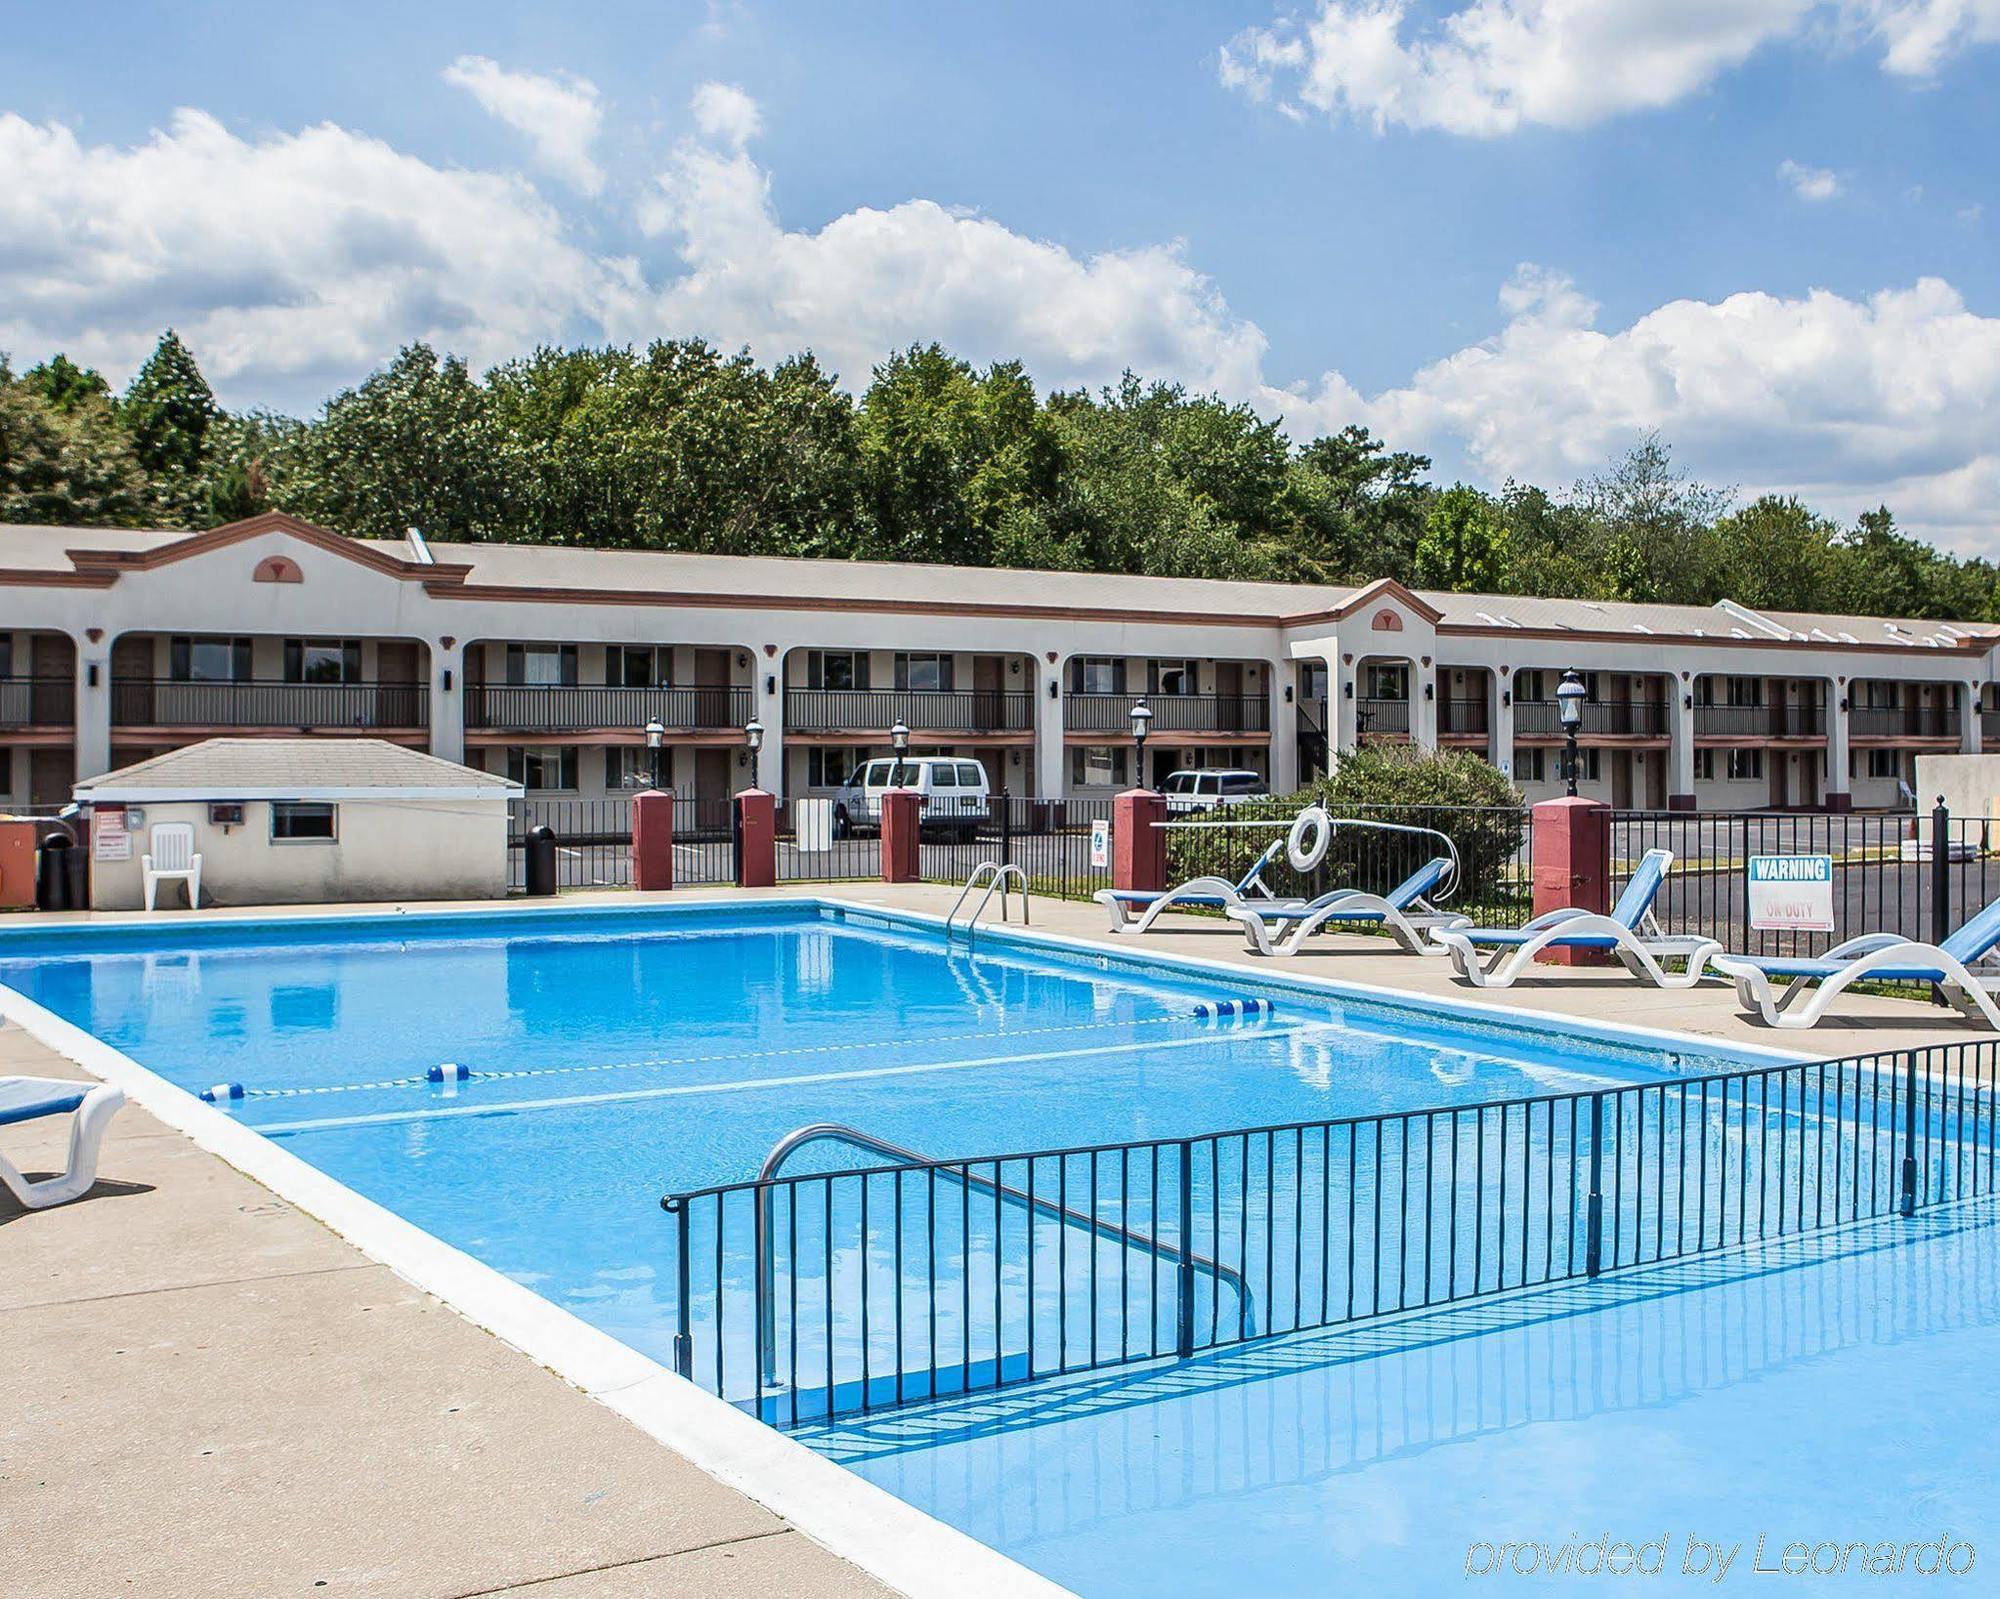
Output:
x=958 y=1171
x=994 y=875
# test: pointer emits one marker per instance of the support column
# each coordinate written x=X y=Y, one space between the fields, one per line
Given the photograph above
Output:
x=1343 y=714
x=1839 y=784
x=1050 y=756
x=1572 y=854
x=652 y=841
x=1499 y=723
x=447 y=708
x=1680 y=754
x=1284 y=726
x=93 y=707
x=1138 y=847
x=1968 y=719
x=767 y=700
x=1423 y=705
x=902 y=843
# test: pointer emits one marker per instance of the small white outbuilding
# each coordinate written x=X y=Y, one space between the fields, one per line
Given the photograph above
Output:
x=299 y=821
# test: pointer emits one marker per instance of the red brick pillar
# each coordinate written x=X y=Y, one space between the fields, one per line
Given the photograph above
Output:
x=902 y=818
x=1138 y=848
x=653 y=840
x=757 y=833
x=1572 y=846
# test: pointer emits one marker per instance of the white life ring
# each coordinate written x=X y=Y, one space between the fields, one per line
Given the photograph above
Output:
x=1312 y=823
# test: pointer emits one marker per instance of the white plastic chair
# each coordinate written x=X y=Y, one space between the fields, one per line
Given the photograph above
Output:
x=91 y=1107
x=173 y=858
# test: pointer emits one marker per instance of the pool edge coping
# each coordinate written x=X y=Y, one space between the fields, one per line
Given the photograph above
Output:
x=890 y=1539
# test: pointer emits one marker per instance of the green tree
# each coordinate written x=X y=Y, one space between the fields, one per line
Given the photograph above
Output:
x=1653 y=523
x=74 y=467
x=65 y=385
x=1464 y=546
x=1357 y=507
x=167 y=409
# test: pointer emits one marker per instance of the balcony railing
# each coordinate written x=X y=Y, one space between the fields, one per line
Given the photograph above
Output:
x=159 y=702
x=574 y=708
x=1903 y=721
x=1382 y=716
x=876 y=710
x=1462 y=716
x=1759 y=721
x=1172 y=713
x=37 y=702
x=1600 y=719
x=1989 y=724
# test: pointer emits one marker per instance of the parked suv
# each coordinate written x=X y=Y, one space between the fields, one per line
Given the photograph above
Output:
x=1211 y=787
x=954 y=792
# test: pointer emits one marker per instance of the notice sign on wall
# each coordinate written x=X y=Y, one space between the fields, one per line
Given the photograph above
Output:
x=110 y=838
x=1791 y=893
x=1100 y=842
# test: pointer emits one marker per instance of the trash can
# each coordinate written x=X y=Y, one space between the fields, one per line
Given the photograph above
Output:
x=540 y=868
x=55 y=876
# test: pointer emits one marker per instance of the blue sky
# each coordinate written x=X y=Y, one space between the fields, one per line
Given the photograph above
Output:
x=1512 y=233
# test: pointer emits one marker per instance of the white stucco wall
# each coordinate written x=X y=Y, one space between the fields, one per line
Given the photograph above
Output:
x=386 y=850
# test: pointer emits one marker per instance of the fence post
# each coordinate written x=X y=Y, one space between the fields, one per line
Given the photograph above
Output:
x=653 y=840
x=1006 y=829
x=1909 y=1200
x=1593 y=1238
x=1940 y=880
x=1571 y=851
x=1138 y=841
x=684 y=1324
x=902 y=836
x=1184 y=1272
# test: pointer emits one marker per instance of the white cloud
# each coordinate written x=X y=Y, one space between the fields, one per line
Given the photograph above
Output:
x=560 y=117
x=289 y=262
x=1494 y=66
x=1809 y=183
x=723 y=111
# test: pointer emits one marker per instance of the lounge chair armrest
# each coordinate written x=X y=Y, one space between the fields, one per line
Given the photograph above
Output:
x=1864 y=944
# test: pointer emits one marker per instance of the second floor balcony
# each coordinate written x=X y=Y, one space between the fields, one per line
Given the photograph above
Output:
x=1111 y=714
x=1751 y=722
x=1463 y=717
x=253 y=703
x=1600 y=719
x=37 y=702
x=925 y=712
x=576 y=708
x=1903 y=721
x=1381 y=718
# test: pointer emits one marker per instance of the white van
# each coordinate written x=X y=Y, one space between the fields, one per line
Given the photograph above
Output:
x=1209 y=788
x=954 y=791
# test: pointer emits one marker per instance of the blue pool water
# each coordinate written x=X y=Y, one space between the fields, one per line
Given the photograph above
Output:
x=617 y=1056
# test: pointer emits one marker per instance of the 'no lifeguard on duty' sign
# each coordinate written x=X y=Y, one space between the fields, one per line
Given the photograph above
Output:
x=1791 y=893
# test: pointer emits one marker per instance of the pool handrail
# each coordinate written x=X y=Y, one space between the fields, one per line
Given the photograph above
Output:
x=839 y=1132
x=1000 y=872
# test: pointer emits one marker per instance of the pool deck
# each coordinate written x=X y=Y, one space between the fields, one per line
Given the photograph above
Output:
x=215 y=1394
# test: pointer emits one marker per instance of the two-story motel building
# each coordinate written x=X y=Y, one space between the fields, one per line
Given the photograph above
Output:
x=546 y=663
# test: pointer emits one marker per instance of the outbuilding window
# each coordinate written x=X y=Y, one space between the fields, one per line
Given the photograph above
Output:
x=303 y=822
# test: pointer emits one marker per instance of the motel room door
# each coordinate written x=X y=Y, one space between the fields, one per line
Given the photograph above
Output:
x=711 y=671
x=1621 y=780
x=988 y=681
x=711 y=782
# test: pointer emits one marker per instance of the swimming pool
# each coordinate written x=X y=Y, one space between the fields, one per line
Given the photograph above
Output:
x=526 y=1086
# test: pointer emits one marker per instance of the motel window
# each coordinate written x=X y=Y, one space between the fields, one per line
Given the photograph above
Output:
x=1529 y=764
x=1729 y=691
x=1731 y=766
x=1175 y=677
x=542 y=766
x=542 y=665
x=1388 y=682
x=923 y=673
x=828 y=768
x=639 y=666
x=322 y=660
x=1096 y=674
x=1097 y=765
x=6 y=654
x=631 y=766
x=208 y=660
x=1885 y=763
x=836 y=669
x=303 y=822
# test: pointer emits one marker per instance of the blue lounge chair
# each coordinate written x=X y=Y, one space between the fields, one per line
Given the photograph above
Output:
x=24 y=1099
x=1197 y=893
x=1812 y=983
x=1405 y=911
x=1630 y=931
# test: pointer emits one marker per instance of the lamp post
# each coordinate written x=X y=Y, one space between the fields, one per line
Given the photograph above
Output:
x=753 y=739
x=899 y=735
x=1142 y=722
x=1569 y=706
x=656 y=738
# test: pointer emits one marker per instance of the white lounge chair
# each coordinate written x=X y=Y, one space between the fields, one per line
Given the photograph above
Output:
x=1405 y=911
x=24 y=1099
x=1813 y=983
x=172 y=858
x=1630 y=931
x=1197 y=893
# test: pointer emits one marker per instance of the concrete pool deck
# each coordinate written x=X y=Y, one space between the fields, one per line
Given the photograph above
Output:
x=214 y=1393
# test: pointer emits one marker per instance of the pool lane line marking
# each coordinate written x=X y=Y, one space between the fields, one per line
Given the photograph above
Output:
x=437 y=1113
x=658 y=1061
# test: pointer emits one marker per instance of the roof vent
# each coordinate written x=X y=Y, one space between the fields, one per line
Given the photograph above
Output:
x=420 y=550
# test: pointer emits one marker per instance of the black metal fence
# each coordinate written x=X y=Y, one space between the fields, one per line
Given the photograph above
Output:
x=1886 y=876
x=809 y=1296
x=1062 y=846
x=594 y=840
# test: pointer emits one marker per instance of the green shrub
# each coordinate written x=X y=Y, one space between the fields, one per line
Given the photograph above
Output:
x=1456 y=793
